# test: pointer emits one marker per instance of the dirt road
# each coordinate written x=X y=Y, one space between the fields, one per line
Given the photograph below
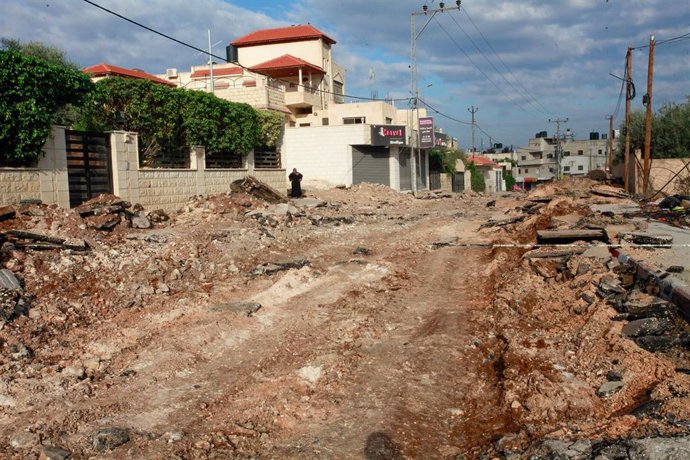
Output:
x=383 y=336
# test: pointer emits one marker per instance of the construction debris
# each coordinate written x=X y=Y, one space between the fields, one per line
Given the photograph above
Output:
x=253 y=186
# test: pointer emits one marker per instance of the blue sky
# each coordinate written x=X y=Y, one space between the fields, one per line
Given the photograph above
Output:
x=520 y=61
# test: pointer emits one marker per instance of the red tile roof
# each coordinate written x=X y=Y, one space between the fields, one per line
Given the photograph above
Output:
x=283 y=63
x=103 y=70
x=281 y=35
x=481 y=161
x=222 y=72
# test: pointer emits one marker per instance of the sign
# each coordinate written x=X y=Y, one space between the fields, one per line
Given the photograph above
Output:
x=426 y=133
x=387 y=135
x=441 y=139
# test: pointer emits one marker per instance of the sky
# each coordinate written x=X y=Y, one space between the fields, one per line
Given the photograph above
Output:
x=520 y=63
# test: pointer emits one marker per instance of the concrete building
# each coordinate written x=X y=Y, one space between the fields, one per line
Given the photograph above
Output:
x=492 y=172
x=100 y=71
x=537 y=162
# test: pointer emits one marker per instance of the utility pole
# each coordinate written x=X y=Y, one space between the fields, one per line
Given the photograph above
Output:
x=473 y=110
x=413 y=66
x=628 y=98
x=610 y=119
x=558 y=152
x=210 y=62
x=648 y=127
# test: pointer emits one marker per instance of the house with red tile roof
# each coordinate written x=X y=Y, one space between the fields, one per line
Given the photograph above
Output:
x=492 y=172
x=103 y=70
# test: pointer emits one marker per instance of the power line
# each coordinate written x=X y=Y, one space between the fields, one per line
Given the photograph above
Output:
x=206 y=52
x=517 y=80
x=498 y=72
x=668 y=41
x=457 y=45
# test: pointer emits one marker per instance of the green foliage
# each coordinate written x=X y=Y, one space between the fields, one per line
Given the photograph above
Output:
x=670 y=132
x=39 y=50
x=476 y=178
x=32 y=91
x=510 y=180
x=447 y=158
x=171 y=120
x=272 y=128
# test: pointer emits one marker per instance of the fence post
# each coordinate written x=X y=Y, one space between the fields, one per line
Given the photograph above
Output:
x=197 y=161
x=124 y=152
x=53 y=169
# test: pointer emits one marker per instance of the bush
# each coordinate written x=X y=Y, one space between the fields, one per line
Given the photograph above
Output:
x=32 y=91
x=447 y=158
x=477 y=178
x=510 y=180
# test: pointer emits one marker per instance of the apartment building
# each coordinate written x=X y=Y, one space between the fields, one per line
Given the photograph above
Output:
x=538 y=163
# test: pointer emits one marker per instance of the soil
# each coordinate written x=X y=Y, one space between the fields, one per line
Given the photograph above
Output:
x=393 y=330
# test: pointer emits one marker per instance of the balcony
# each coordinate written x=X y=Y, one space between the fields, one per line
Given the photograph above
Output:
x=302 y=97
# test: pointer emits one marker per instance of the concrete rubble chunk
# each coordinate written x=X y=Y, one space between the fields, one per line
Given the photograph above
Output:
x=662 y=241
x=110 y=438
x=609 y=389
x=666 y=448
x=9 y=281
x=255 y=187
x=54 y=453
x=656 y=343
x=140 y=220
x=272 y=268
x=7 y=213
x=24 y=440
x=308 y=203
x=647 y=327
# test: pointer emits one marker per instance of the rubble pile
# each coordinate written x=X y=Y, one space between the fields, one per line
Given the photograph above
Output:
x=580 y=338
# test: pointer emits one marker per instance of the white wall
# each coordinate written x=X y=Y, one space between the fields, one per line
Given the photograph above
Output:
x=323 y=154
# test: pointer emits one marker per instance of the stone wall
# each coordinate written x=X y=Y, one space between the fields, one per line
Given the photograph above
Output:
x=47 y=181
x=661 y=176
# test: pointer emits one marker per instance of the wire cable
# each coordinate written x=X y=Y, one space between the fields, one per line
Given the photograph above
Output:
x=668 y=41
x=206 y=52
x=517 y=80
x=457 y=45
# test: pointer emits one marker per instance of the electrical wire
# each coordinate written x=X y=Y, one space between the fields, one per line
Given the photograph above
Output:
x=469 y=58
x=517 y=80
x=668 y=41
x=206 y=52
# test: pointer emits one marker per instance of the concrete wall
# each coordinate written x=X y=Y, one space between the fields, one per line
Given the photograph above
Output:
x=662 y=175
x=323 y=154
x=311 y=51
x=47 y=181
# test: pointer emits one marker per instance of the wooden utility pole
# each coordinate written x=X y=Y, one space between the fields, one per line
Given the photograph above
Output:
x=648 y=126
x=610 y=119
x=628 y=97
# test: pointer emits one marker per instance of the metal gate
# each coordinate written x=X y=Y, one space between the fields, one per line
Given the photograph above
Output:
x=370 y=164
x=89 y=169
x=458 y=180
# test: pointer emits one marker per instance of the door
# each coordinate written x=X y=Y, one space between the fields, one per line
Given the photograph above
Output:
x=370 y=164
x=89 y=169
x=459 y=182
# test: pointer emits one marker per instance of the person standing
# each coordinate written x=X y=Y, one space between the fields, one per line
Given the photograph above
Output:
x=295 y=179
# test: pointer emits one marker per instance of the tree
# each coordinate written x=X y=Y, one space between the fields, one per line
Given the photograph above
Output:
x=38 y=50
x=447 y=158
x=272 y=128
x=508 y=177
x=32 y=91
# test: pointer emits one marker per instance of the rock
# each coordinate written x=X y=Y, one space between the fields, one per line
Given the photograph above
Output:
x=76 y=244
x=9 y=281
x=30 y=202
x=20 y=351
x=666 y=448
x=105 y=222
x=650 y=408
x=646 y=327
x=255 y=187
x=139 y=220
x=54 y=453
x=609 y=388
x=675 y=269
x=162 y=288
x=74 y=371
x=655 y=343
x=173 y=436
x=158 y=216
x=155 y=239
x=360 y=251
x=557 y=449
x=110 y=438
x=445 y=243
x=311 y=374
x=650 y=239
x=610 y=288
x=24 y=440
x=614 y=376
x=7 y=401
x=308 y=203
x=244 y=308
x=272 y=268
x=7 y=213
x=588 y=297
x=646 y=306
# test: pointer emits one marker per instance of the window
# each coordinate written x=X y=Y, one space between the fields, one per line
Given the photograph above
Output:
x=526 y=170
x=354 y=120
x=338 y=90
x=519 y=170
x=304 y=125
x=549 y=155
x=566 y=168
x=601 y=152
x=524 y=157
x=580 y=168
x=324 y=122
x=389 y=121
x=580 y=152
x=551 y=170
x=566 y=154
